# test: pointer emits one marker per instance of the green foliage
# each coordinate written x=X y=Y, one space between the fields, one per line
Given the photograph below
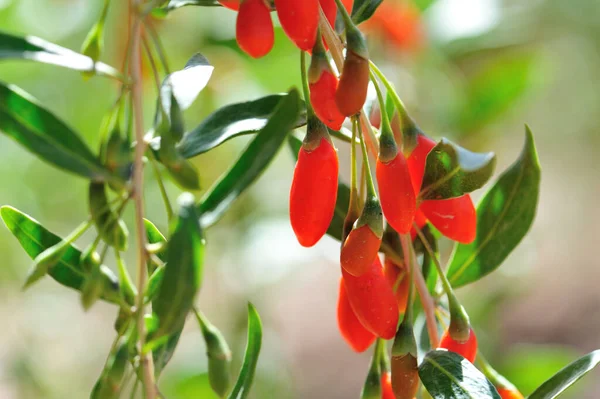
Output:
x=364 y=9
x=504 y=216
x=218 y=353
x=446 y=374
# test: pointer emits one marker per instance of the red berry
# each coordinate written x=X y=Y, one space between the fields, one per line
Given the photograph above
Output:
x=254 y=28
x=417 y=159
x=455 y=218
x=322 y=98
x=399 y=280
x=396 y=191
x=359 y=250
x=386 y=386
x=348 y=4
x=373 y=300
x=351 y=92
x=330 y=10
x=358 y=337
x=420 y=221
x=314 y=192
x=299 y=20
x=231 y=4
x=405 y=376
x=506 y=393
x=467 y=349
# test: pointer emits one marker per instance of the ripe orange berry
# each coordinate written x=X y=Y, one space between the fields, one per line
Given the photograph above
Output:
x=254 y=28
x=373 y=300
x=231 y=4
x=351 y=92
x=357 y=336
x=399 y=280
x=405 y=376
x=506 y=393
x=417 y=160
x=456 y=218
x=467 y=349
x=396 y=193
x=299 y=20
x=322 y=98
x=359 y=250
x=314 y=192
x=386 y=386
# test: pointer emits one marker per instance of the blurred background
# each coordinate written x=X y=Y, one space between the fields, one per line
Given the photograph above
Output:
x=471 y=70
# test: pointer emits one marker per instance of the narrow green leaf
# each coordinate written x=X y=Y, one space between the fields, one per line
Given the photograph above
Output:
x=187 y=83
x=504 y=216
x=446 y=375
x=364 y=9
x=110 y=383
x=567 y=377
x=255 y=158
x=229 y=122
x=42 y=133
x=163 y=353
x=36 y=49
x=69 y=271
x=246 y=376
x=452 y=171
x=110 y=227
x=183 y=270
x=154 y=236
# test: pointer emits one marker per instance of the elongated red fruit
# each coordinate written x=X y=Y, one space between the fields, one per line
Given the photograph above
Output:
x=353 y=332
x=420 y=220
x=399 y=280
x=506 y=393
x=351 y=92
x=405 y=376
x=386 y=386
x=359 y=250
x=396 y=193
x=314 y=192
x=254 y=28
x=455 y=218
x=231 y=4
x=322 y=98
x=373 y=300
x=299 y=20
x=417 y=159
x=467 y=349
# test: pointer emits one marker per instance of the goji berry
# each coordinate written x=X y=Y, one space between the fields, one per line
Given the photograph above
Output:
x=323 y=85
x=417 y=160
x=314 y=192
x=506 y=393
x=467 y=349
x=405 y=376
x=353 y=332
x=330 y=10
x=254 y=28
x=386 y=386
x=396 y=191
x=299 y=20
x=373 y=300
x=359 y=250
x=351 y=92
x=456 y=218
x=231 y=4
x=399 y=280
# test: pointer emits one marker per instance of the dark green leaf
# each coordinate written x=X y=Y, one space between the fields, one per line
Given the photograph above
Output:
x=231 y=121
x=36 y=49
x=253 y=160
x=342 y=201
x=40 y=132
x=110 y=227
x=68 y=271
x=504 y=216
x=163 y=353
x=183 y=270
x=567 y=377
x=364 y=9
x=446 y=375
x=452 y=171
x=246 y=376
x=110 y=383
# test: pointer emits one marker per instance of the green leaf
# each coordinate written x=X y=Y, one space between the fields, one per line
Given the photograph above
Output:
x=175 y=4
x=342 y=201
x=566 y=377
x=452 y=171
x=231 y=121
x=110 y=383
x=110 y=227
x=446 y=375
x=183 y=270
x=163 y=353
x=246 y=376
x=40 y=132
x=218 y=354
x=35 y=239
x=364 y=9
x=36 y=49
x=504 y=216
x=186 y=84
x=255 y=158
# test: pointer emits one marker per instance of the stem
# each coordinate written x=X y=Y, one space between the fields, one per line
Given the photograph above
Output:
x=370 y=185
x=385 y=120
x=419 y=281
x=162 y=188
x=436 y=262
x=395 y=98
x=146 y=362
x=305 y=89
x=160 y=49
